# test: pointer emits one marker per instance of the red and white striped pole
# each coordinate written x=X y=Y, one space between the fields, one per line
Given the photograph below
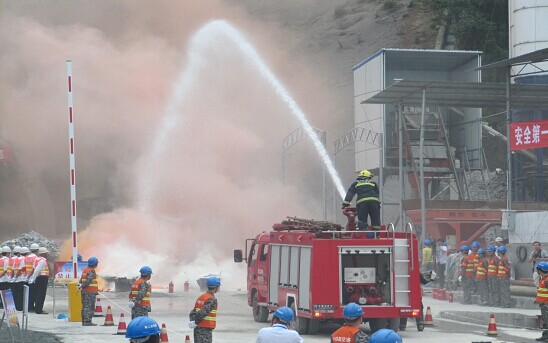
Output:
x=72 y=173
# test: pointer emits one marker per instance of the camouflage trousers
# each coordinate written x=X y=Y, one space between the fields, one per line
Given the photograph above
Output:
x=494 y=296
x=483 y=289
x=467 y=287
x=203 y=335
x=88 y=306
x=504 y=291
x=139 y=311
x=544 y=313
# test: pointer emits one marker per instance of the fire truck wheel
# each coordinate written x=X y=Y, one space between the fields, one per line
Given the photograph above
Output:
x=260 y=313
x=394 y=324
x=301 y=323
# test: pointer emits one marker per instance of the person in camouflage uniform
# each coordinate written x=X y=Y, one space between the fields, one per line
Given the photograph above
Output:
x=503 y=275
x=492 y=280
x=139 y=297
x=467 y=276
x=481 y=277
x=89 y=287
x=203 y=317
x=542 y=297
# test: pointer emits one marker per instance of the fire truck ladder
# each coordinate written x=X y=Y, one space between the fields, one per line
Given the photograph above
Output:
x=403 y=262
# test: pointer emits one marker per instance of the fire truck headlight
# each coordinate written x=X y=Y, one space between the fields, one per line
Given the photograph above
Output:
x=317 y=314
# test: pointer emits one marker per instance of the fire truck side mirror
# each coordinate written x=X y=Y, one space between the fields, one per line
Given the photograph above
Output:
x=238 y=256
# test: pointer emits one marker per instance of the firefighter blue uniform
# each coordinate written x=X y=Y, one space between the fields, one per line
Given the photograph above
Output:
x=367 y=201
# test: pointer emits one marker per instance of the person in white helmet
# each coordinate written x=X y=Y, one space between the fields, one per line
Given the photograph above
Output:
x=20 y=278
x=4 y=266
x=29 y=270
x=39 y=279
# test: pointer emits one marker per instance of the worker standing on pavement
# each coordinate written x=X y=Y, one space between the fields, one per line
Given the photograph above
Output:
x=29 y=270
x=542 y=297
x=481 y=277
x=441 y=262
x=203 y=317
x=537 y=255
x=350 y=332
x=139 y=297
x=499 y=242
x=427 y=257
x=385 y=336
x=4 y=267
x=503 y=275
x=90 y=288
x=492 y=280
x=467 y=274
x=39 y=279
x=20 y=278
x=280 y=330
x=143 y=330
x=367 y=201
x=13 y=269
x=452 y=271
x=474 y=247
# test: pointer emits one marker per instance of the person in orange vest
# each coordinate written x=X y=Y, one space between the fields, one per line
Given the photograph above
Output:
x=29 y=270
x=474 y=247
x=4 y=267
x=139 y=297
x=542 y=297
x=503 y=275
x=481 y=277
x=492 y=280
x=20 y=279
x=467 y=274
x=39 y=279
x=203 y=317
x=90 y=288
x=350 y=332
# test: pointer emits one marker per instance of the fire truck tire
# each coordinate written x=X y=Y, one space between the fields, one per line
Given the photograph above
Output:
x=260 y=313
x=301 y=323
x=394 y=324
x=313 y=326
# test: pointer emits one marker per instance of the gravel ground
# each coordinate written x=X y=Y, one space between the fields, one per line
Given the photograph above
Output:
x=31 y=336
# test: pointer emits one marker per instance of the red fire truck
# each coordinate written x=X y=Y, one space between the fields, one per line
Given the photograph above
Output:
x=316 y=268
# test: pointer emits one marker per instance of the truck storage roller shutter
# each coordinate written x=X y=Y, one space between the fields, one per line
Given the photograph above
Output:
x=304 y=277
x=274 y=272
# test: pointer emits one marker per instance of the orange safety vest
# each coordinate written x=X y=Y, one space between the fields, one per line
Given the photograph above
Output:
x=18 y=264
x=467 y=264
x=29 y=264
x=504 y=268
x=344 y=334
x=2 y=261
x=542 y=291
x=210 y=320
x=475 y=259
x=481 y=270
x=135 y=290
x=93 y=286
x=493 y=266
x=45 y=271
x=12 y=267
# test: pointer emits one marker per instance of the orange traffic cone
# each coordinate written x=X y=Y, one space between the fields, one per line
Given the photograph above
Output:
x=109 y=321
x=187 y=339
x=98 y=308
x=492 y=328
x=121 y=325
x=163 y=334
x=428 y=318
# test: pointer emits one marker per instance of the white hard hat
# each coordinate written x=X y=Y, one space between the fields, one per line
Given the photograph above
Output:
x=24 y=250
x=43 y=250
x=6 y=249
x=34 y=246
x=17 y=249
x=499 y=239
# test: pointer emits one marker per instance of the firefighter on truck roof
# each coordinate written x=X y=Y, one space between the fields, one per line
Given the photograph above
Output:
x=280 y=331
x=367 y=202
x=139 y=297
x=350 y=332
x=203 y=317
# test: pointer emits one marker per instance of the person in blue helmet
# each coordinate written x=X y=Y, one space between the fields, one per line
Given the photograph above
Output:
x=139 y=297
x=542 y=297
x=427 y=256
x=385 y=336
x=467 y=276
x=503 y=276
x=90 y=288
x=350 y=332
x=280 y=330
x=143 y=330
x=203 y=317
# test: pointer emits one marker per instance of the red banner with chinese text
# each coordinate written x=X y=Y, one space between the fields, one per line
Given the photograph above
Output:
x=529 y=135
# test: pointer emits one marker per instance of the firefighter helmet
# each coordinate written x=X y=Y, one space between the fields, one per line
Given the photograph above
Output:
x=543 y=266
x=464 y=248
x=285 y=314
x=385 y=336
x=365 y=173
x=213 y=281
x=142 y=327
x=145 y=270
x=93 y=261
x=501 y=250
x=352 y=311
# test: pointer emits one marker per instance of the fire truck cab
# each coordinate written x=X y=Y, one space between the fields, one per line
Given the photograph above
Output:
x=316 y=268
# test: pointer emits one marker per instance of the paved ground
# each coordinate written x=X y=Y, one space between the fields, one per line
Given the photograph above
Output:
x=235 y=323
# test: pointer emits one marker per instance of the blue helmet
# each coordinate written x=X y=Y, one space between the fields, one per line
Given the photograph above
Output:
x=475 y=244
x=93 y=261
x=145 y=270
x=213 y=281
x=385 y=336
x=502 y=250
x=285 y=314
x=492 y=248
x=427 y=242
x=352 y=311
x=464 y=248
x=444 y=244
x=142 y=327
x=481 y=251
x=79 y=257
x=543 y=265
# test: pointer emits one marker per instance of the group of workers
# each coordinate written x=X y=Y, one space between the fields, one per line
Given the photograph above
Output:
x=25 y=266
